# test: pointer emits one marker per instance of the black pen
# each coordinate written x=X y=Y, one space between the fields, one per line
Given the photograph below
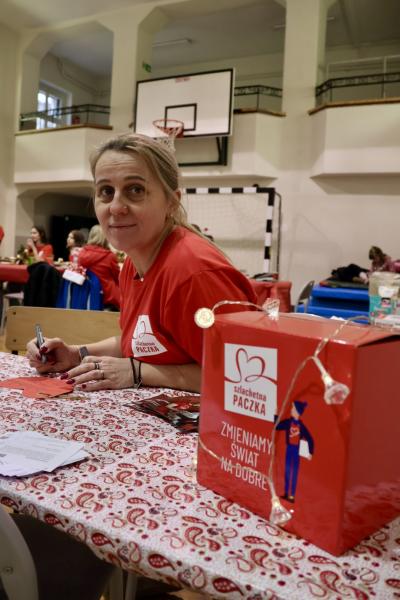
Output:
x=40 y=341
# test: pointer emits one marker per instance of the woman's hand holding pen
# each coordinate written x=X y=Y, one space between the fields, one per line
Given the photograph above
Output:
x=60 y=356
x=101 y=373
x=92 y=373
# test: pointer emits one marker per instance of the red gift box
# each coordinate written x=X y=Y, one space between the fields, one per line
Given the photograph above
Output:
x=335 y=466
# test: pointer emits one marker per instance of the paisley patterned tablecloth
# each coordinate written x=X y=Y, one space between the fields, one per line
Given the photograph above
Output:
x=136 y=503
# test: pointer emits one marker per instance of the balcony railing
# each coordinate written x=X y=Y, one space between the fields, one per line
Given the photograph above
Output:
x=358 y=87
x=247 y=98
x=82 y=114
x=257 y=98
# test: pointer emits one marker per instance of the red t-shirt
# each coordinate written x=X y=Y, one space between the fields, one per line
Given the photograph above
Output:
x=45 y=252
x=103 y=263
x=157 y=313
x=74 y=253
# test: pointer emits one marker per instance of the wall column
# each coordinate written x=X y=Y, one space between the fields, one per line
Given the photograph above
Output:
x=8 y=197
x=304 y=247
x=133 y=31
x=304 y=53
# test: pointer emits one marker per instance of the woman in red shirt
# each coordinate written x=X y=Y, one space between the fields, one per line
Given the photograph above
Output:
x=98 y=258
x=170 y=272
x=37 y=247
x=75 y=243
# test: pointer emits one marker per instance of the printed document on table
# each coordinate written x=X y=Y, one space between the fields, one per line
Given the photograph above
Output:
x=28 y=452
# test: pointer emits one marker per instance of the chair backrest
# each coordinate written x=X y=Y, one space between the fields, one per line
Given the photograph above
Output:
x=304 y=297
x=88 y=296
x=17 y=569
x=73 y=326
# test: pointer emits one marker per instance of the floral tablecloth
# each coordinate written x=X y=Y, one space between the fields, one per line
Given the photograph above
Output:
x=136 y=503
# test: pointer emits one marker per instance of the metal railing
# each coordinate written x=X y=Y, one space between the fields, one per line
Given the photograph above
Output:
x=257 y=97
x=246 y=98
x=82 y=114
x=358 y=87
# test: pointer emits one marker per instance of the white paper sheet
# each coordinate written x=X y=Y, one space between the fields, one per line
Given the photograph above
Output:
x=28 y=452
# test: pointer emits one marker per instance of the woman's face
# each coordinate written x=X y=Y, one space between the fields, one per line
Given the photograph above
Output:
x=130 y=203
x=70 y=240
x=35 y=235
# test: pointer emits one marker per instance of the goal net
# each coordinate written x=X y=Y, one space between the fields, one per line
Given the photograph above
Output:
x=244 y=222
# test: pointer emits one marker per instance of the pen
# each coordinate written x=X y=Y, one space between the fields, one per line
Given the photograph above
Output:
x=40 y=341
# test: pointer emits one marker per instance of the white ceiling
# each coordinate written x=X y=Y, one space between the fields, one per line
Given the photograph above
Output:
x=217 y=29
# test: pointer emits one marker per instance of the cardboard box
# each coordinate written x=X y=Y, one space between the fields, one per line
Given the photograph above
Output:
x=349 y=484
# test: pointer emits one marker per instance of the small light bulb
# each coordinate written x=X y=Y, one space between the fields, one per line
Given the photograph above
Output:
x=271 y=308
x=278 y=515
x=335 y=392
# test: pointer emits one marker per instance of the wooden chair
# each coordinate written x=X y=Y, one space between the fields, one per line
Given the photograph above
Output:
x=73 y=326
x=304 y=297
x=18 y=297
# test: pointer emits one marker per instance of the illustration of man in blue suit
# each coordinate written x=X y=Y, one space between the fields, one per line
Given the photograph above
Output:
x=295 y=432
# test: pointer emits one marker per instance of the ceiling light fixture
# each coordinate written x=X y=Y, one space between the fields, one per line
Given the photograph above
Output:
x=172 y=42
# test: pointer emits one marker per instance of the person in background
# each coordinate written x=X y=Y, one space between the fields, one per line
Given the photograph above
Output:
x=98 y=258
x=37 y=249
x=170 y=272
x=381 y=261
x=1 y=234
x=75 y=242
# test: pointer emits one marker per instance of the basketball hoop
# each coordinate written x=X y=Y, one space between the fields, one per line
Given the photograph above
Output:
x=171 y=128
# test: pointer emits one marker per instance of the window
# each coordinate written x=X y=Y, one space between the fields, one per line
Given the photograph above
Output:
x=49 y=101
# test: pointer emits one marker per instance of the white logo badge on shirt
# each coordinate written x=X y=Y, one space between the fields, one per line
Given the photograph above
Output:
x=144 y=342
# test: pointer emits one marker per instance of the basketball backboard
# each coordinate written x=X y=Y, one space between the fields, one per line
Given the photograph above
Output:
x=202 y=101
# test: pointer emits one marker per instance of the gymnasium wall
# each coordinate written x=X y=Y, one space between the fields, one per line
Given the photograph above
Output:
x=250 y=69
x=8 y=82
x=83 y=87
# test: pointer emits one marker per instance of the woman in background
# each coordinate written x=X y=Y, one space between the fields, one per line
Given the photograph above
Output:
x=98 y=258
x=37 y=248
x=75 y=242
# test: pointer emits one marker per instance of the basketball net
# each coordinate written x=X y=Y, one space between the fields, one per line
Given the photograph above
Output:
x=171 y=129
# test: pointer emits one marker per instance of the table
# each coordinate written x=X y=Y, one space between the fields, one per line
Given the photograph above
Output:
x=13 y=273
x=136 y=503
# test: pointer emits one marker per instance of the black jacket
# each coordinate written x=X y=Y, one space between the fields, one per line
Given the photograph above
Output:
x=42 y=286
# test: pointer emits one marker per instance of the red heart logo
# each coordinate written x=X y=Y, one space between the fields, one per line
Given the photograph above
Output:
x=250 y=368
